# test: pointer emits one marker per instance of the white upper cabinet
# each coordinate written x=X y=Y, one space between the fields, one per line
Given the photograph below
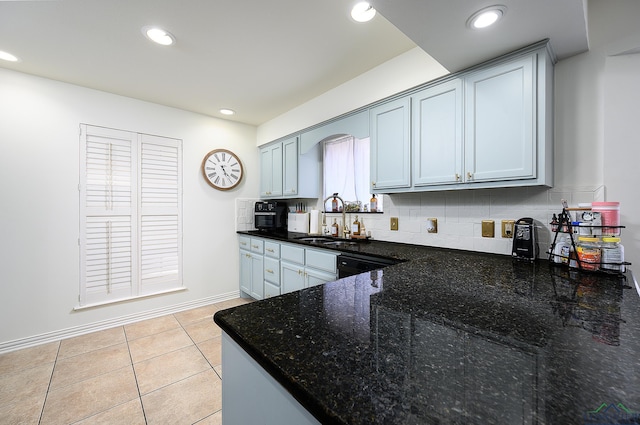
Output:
x=437 y=134
x=290 y=167
x=271 y=171
x=391 y=145
x=488 y=127
x=500 y=118
x=287 y=171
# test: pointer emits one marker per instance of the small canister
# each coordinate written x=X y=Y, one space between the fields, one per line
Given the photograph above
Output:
x=589 y=253
x=612 y=255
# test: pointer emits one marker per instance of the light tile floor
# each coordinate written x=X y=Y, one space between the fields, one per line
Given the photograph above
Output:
x=165 y=370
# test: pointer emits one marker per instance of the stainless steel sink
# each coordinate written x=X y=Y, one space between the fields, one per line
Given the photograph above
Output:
x=314 y=239
x=339 y=243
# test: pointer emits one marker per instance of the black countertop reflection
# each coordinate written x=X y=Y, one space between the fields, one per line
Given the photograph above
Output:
x=453 y=337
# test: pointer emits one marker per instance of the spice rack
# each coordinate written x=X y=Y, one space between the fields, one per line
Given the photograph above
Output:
x=564 y=226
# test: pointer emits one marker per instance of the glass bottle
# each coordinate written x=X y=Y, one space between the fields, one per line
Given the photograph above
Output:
x=373 y=204
x=355 y=227
x=334 y=229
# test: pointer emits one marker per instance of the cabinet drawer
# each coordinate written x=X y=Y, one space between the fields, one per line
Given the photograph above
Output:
x=272 y=270
x=257 y=246
x=271 y=290
x=321 y=260
x=292 y=254
x=244 y=242
x=272 y=249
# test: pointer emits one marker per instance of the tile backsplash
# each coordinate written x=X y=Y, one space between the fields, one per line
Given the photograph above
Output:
x=460 y=215
x=244 y=213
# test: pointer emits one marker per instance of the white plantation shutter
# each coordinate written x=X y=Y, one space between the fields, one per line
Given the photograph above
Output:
x=160 y=224
x=130 y=212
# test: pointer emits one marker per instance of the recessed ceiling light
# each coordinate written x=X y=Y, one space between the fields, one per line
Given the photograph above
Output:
x=158 y=35
x=363 y=12
x=224 y=111
x=486 y=17
x=8 y=56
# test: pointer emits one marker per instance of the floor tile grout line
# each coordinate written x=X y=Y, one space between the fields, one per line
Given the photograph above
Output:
x=46 y=395
x=135 y=376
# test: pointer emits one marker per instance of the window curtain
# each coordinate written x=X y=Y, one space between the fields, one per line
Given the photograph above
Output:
x=346 y=169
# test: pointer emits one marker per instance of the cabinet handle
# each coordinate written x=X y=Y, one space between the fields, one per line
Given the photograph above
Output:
x=247 y=255
x=269 y=271
x=457 y=177
x=299 y=271
x=270 y=250
x=243 y=243
x=255 y=246
x=469 y=176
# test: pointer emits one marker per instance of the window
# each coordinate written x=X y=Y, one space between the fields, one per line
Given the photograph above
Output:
x=130 y=215
x=346 y=169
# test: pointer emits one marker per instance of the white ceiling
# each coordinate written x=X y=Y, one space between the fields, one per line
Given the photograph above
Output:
x=439 y=27
x=258 y=57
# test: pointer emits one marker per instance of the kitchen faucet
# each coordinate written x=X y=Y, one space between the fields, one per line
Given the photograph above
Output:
x=345 y=227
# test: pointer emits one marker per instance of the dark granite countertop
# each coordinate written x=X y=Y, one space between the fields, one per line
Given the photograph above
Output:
x=452 y=337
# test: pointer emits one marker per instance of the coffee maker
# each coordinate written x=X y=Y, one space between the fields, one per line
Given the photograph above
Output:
x=525 y=240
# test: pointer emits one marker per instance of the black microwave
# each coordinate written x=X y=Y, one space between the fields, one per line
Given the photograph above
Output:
x=270 y=215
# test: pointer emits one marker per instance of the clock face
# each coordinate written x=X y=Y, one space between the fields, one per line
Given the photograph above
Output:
x=222 y=169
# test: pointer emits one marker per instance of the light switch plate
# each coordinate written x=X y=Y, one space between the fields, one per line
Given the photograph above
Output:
x=488 y=228
x=393 y=223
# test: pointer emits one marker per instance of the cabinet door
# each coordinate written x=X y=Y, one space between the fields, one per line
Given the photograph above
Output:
x=437 y=134
x=391 y=145
x=270 y=290
x=290 y=166
x=500 y=130
x=318 y=277
x=272 y=270
x=257 y=276
x=271 y=171
x=245 y=272
x=291 y=277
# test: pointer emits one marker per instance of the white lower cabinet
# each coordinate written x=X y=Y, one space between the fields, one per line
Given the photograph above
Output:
x=305 y=267
x=269 y=268
x=251 y=267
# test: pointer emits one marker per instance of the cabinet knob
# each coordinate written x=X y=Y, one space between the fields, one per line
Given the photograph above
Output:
x=469 y=176
x=373 y=184
x=299 y=271
x=457 y=177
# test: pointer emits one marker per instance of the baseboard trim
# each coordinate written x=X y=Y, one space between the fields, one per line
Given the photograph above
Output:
x=53 y=336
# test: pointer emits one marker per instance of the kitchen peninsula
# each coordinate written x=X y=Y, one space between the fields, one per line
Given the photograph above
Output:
x=445 y=337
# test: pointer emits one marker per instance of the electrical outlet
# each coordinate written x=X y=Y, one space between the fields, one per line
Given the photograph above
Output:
x=432 y=225
x=393 y=223
x=488 y=228
x=507 y=228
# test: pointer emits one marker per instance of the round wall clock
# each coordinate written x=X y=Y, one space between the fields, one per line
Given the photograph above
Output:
x=222 y=169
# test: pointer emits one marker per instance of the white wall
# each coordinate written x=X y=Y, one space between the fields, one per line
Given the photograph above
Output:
x=39 y=175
